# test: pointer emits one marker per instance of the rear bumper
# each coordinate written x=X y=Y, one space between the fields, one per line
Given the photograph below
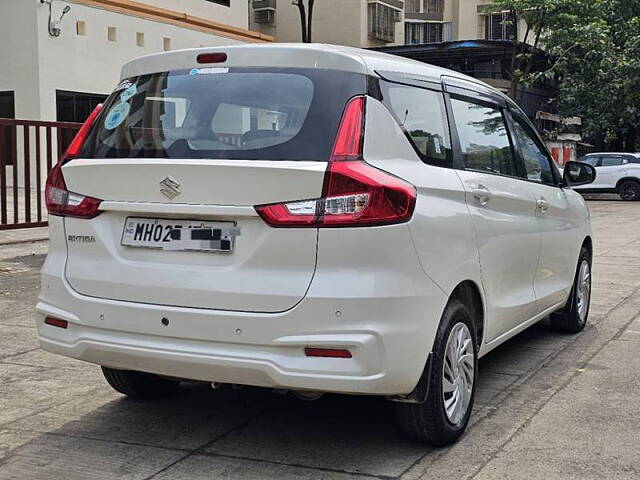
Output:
x=388 y=327
x=388 y=352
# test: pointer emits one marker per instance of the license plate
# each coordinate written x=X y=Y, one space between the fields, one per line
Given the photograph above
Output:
x=174 y=235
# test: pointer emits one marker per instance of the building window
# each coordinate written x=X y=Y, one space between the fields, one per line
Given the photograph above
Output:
x=382 y=22
x=140 y=39
x=76 y=106
x=226 y=3
x=417 y=33
x=7 y=110
x=166 y=44
x=81 y=28
x=499 y=26
x=7 y=105
x=112 y=35
x=412 y=6
x=434 y=6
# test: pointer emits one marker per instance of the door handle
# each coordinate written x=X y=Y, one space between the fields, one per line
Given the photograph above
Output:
x=482 y=194
x=542 y=205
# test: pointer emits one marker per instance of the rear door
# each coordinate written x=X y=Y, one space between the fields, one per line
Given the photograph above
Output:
x=502 y=209
x=179 y=160
x=612 y=168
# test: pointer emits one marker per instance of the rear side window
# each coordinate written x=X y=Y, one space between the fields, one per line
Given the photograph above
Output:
x=611 y=161
x=593 y=161
x=421 y=114
x=222 y=113
x=484 y=139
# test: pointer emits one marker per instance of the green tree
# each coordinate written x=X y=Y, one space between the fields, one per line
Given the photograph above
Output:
x=594 y=46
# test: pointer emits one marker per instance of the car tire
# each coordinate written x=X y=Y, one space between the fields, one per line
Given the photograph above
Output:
x=629 y=190
x=139 y=385
x=435 y=421
x=573 y=317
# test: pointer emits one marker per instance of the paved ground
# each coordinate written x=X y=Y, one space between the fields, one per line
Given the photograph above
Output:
x=549 y=406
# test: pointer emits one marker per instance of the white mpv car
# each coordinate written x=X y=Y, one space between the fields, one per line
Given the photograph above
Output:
x=310 y=218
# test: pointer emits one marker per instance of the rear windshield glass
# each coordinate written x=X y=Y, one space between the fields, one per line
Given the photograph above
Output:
x=226 y=113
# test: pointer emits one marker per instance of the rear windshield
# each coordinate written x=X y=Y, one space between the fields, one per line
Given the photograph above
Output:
x=224 y=113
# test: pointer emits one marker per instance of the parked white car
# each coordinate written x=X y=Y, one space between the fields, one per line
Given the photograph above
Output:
x=311 y=218
x=615 y=173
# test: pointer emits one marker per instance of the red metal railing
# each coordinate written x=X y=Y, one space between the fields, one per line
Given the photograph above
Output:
x=28 y=150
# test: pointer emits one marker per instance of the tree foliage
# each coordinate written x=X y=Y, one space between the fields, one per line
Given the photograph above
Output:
x=594 y=46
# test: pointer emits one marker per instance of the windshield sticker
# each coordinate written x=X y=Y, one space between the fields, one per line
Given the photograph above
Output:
x=436 y=145
x=117 y=115
x=123 y=85
x=208 y=71
x=128 y=93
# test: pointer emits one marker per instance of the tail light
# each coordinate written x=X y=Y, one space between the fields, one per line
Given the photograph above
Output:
x=59 y=200
x=355 y=194
x=218 y=57
x=78 y=141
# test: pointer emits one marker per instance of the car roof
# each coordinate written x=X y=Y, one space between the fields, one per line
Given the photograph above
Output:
x=599 y=154
x=295 y=55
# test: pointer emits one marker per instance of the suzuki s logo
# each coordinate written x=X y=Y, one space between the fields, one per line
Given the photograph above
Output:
x=170 y=188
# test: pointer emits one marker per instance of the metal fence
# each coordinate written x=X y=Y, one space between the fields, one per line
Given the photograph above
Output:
x=28 y=150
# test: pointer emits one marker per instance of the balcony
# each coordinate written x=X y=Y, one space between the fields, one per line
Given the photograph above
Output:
x=394 y=4
x=425 y=16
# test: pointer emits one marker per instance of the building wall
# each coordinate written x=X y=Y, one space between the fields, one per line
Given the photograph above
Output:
x=39 y=64
x=19 y=71
x=334 y=21
x=92 y=63
x=340 y=22
x=468 y=22
x=344 y=22
x=236 y=14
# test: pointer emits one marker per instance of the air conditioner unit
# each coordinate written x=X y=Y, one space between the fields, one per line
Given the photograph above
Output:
x=264 y=16
x=263 y=5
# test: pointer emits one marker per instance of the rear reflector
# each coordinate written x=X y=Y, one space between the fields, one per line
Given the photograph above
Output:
x=327 y=352
x=218 y=57
x=56 y=322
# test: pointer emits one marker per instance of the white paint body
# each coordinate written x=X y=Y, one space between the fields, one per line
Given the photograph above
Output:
x=246 y=318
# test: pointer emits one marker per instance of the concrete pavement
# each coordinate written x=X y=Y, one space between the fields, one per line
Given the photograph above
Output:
x=549 y=405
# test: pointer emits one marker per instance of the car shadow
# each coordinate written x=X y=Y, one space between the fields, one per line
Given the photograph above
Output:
x=336 y=433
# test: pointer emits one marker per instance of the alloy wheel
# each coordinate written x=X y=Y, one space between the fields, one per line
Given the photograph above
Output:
x=630 y=191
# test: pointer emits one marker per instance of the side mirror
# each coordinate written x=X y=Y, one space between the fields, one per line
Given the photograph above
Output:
x=577 y=173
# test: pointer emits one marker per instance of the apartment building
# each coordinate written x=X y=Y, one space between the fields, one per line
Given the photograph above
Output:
x=379 y=23
x=59 y=58
x=356 y=23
